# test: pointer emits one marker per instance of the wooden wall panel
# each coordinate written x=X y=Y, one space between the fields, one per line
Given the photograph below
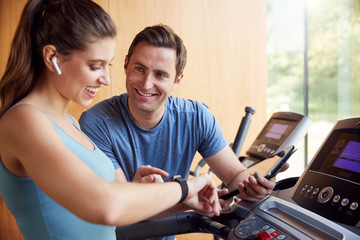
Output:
x=226 y=43
x=10 y=12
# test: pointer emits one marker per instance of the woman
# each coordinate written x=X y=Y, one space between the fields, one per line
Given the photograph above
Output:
x=54 y=180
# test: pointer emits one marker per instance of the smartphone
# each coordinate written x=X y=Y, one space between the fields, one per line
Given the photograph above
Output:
x=276 y=163
x=275 y=170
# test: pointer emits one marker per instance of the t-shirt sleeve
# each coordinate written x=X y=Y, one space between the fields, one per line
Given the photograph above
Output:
x=212 y=139
x=95 y=128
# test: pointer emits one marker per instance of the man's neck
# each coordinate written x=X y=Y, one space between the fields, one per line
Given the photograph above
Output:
x=147 y=120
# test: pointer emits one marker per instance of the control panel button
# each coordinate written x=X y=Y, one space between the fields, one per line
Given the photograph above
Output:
x=336 y=199
x=354 y=206
x=264 y=236
x=344 y=202
x=265 y=227
x=310 y=189
x=304 y=187
x=316 y=191
x=268 y=234
x=273 y=232
x=261 y=147
x=325 y=194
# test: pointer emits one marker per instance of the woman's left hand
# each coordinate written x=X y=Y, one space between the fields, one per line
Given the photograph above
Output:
x=149 y=174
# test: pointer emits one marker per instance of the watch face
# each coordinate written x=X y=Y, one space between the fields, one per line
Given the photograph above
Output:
x=177 y=177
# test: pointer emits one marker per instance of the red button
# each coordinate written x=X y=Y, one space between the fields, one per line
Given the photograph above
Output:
x=275 y=233
x=264 y=236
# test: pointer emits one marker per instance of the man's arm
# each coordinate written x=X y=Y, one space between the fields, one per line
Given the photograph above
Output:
x=229 y=169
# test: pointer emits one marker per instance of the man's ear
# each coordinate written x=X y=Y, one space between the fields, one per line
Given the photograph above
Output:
x=126 y=61
x=177 y=81
x=49 y=52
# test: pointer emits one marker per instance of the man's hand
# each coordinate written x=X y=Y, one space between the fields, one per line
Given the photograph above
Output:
x=149 y=174
x=225 y=204
x=253 y=189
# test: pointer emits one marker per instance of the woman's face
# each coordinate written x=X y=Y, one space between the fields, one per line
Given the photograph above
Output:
x=85 y=71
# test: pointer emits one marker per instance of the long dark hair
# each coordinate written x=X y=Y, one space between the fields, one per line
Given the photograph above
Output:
x=67 y=24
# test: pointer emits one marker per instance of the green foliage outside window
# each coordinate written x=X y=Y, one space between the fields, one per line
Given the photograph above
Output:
x=333 y=49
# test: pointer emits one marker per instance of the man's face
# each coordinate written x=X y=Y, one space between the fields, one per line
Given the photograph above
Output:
x=150 y=78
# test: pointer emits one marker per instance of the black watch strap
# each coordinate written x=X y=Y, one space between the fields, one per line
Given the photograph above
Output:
x=183 y=184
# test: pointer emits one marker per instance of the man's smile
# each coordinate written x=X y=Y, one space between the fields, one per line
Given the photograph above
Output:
x=144 y=94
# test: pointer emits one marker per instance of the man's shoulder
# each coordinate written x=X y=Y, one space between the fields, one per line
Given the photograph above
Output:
x=184 y=105
x=108 y=108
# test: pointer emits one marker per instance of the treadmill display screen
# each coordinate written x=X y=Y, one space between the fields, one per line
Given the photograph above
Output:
x=349 y=159
x=276 y=131
x=343 y=159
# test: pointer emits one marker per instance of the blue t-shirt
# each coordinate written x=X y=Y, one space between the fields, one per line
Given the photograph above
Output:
x=40 y=217
x=186 y=127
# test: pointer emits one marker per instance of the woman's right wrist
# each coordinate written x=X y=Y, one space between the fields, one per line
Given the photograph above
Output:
x=183 y=184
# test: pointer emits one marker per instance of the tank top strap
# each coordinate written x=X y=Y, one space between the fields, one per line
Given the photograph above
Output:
x=70 y=117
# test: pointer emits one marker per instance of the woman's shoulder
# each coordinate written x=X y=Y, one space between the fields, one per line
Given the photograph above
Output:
x=22 y=118
x=19 y=110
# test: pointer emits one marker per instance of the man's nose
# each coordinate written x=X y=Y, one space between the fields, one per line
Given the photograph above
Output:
x=147 y=82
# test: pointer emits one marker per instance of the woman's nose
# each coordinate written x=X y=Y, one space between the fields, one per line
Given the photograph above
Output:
x=105 y=78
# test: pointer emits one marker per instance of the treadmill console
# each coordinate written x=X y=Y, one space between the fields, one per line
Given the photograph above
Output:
x=282 y=130
x=330 y=185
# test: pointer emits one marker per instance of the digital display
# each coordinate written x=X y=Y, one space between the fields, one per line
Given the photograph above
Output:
x=276 y=131
x=343 y=157
x=349 y=159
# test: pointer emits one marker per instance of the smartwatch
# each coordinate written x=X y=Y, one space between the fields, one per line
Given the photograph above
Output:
x=183 y=184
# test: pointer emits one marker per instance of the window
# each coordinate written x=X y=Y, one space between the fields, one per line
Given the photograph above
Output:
x=313 y=52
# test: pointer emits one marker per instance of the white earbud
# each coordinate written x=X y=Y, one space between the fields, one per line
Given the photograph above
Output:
x=56 y=66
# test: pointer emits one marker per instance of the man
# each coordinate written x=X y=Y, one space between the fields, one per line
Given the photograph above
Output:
x=146 y=126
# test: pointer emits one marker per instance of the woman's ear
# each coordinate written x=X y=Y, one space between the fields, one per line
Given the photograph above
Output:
x=51 y=58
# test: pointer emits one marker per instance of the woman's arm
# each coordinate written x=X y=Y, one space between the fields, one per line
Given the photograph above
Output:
x=30 y=146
